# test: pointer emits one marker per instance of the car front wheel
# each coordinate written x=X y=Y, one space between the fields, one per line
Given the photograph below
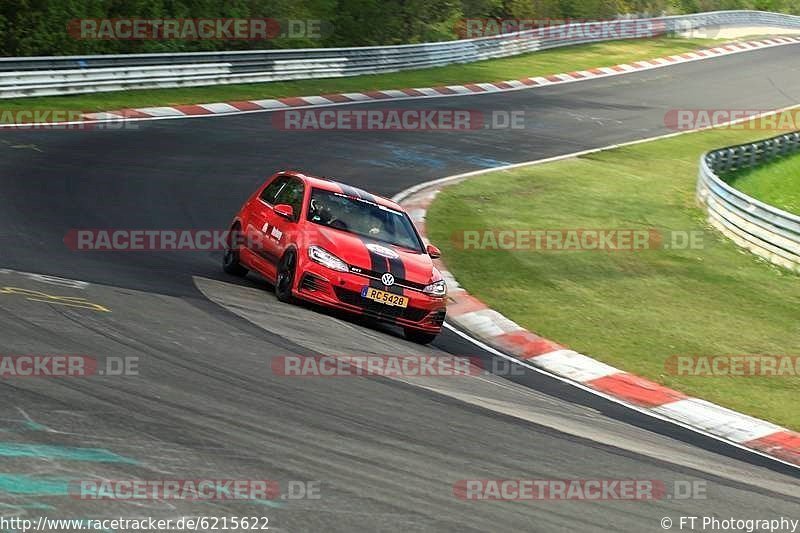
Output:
x=285 y=277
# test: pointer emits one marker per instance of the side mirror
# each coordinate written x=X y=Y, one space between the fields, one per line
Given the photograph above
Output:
x=433 y=251
x=284 y=210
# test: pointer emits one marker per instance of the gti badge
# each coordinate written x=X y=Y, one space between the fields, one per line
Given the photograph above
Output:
x=387 y=279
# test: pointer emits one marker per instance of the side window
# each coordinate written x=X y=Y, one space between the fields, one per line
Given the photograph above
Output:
x=292 y=194
x=271 y=190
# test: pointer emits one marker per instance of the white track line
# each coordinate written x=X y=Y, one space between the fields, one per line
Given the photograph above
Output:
x=615 y=400
x=399 y=197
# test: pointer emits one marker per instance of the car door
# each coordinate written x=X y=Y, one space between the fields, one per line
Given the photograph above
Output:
x=257 y=227
x=282 y=231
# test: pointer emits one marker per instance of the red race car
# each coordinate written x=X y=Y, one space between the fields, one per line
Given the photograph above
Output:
x=332 y=244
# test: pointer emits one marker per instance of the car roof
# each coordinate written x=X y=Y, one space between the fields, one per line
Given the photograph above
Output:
x=330 y=184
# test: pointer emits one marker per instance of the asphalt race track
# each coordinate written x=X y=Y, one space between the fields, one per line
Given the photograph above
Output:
x=206 y=403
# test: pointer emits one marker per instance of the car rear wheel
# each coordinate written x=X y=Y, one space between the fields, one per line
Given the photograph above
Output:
x=230 y=259
x=285 y=277
x=420 y=337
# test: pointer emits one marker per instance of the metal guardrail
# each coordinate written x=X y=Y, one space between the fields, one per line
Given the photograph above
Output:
x=761 y=228
x=43 y=76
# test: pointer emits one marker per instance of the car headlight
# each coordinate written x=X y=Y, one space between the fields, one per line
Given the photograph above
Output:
x=438 y=288
x=325 y=258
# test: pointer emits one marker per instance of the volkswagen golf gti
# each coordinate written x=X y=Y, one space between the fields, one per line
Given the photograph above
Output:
x=334 y=245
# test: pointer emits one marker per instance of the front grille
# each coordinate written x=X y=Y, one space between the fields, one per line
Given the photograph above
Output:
x=378 y=310
x=397 y=281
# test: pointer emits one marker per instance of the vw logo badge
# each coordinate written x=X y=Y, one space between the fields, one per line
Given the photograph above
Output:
x=387 y=279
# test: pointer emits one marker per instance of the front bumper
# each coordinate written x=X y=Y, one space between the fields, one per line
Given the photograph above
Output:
x=342 y=290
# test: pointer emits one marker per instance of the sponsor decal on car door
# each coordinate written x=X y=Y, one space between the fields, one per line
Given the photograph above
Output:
x=281 y=231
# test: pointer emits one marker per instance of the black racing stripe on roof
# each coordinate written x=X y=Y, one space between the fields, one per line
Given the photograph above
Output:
x=356 y=192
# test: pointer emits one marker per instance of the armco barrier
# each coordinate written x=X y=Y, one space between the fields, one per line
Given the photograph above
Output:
x=764 y=230
x=42 y=76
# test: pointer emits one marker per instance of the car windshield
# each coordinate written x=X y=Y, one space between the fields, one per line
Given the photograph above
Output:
x=362 y=217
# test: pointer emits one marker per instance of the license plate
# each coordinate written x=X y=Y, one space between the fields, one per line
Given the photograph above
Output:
x=386 y=298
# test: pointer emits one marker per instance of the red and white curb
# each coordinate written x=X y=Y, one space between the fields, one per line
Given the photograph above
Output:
x=495 y=330
x=471 y=89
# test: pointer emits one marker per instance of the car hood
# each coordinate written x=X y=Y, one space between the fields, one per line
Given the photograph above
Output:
x=379 y=257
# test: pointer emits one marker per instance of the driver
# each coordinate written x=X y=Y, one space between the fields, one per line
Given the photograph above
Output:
x=376 y=227
x=320 y=212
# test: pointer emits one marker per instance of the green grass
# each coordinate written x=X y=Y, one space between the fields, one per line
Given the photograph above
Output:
x=570 y=58
x=632 y=310
x=776 y=183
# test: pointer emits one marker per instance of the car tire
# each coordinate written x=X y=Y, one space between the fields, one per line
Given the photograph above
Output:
x=230 y=259
x=420 y=337
x=284 y=278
